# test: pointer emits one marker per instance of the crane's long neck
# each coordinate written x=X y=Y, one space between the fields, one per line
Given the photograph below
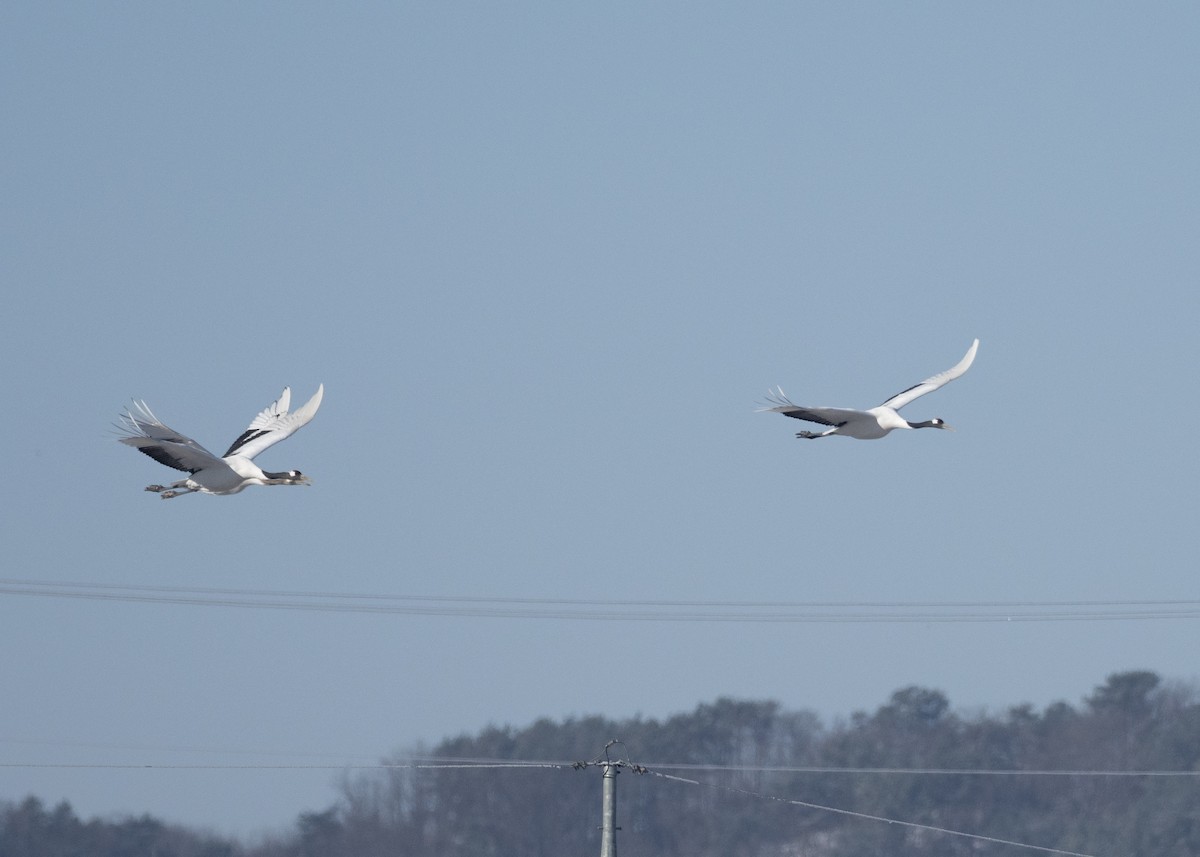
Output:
x=287 y=477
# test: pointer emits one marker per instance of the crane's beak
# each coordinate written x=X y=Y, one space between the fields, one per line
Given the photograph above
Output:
x=946 y=427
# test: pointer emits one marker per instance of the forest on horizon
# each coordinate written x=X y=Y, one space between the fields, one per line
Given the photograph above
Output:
x=1115 y=775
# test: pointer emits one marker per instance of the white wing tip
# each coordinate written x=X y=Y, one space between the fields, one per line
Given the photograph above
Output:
x=315 y=401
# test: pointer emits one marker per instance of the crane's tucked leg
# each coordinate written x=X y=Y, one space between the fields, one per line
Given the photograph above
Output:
x=810 y=435
x=167 y=495
x=158 y=489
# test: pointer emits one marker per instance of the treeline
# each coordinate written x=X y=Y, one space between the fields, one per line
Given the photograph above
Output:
x=28 y=829
x=728 y=805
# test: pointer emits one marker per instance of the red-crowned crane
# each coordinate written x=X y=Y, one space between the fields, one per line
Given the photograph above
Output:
x=876 y=422
x=233 y=471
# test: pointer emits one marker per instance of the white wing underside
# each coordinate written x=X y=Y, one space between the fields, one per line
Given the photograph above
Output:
x=274 y=424
x=779 y=403
x=930 y=384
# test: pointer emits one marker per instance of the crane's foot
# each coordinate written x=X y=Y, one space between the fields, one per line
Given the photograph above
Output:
x=807 y=435
x=155 y=488
x=167 y=495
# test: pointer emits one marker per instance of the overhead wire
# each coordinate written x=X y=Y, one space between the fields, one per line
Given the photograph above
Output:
x=434 y=762
x=867 y=816
x=197 y=766
x=925 y=772
x=612 y=609
x=442 y=763
x=608 y=763
x=656 y=770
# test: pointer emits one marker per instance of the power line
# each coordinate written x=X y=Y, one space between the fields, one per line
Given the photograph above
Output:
x=592 y=601
x=924 y=772
x=449 y=762
x=446 y=763
x=190 y=766
x=867 y=817
x=611 y=767
x=614 y=610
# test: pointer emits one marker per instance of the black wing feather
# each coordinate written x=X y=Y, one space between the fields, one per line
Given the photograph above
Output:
x=243 y=439
x=164 y=456
x=809 y=416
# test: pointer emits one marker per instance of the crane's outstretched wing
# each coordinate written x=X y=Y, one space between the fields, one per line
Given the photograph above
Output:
x=274 y=423
x=144 y=432
x=901 y=399
x=781 y=404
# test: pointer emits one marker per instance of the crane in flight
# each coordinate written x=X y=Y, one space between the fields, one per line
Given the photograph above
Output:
x=875 y=422
x=234 y=470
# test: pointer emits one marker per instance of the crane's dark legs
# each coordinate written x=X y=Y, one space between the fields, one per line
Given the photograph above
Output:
x=173 y=490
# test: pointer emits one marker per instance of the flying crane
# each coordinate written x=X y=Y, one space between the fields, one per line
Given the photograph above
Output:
x=233 y=471
x=875 y=422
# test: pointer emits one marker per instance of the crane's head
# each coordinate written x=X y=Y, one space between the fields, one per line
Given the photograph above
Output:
x=936 y=422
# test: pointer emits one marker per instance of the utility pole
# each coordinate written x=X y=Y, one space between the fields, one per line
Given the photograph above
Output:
x=608 y=809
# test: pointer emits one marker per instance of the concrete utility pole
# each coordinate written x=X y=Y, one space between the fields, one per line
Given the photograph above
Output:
x=608 y=812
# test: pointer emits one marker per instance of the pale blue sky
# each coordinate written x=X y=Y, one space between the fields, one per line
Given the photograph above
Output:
x=545 y=259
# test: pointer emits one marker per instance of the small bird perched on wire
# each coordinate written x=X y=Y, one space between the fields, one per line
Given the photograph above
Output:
x=876 y=422
x=231 y=472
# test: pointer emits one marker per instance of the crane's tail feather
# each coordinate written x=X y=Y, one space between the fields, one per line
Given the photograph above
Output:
x=775 y=399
